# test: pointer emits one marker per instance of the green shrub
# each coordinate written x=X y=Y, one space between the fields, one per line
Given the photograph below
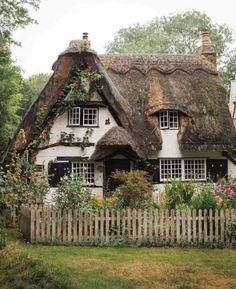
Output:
x=135 y=190
x=177 y=193
x=21 y=183
x=203 y=197
x=71 y=194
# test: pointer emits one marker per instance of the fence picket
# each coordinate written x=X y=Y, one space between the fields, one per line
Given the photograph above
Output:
x=47 y=224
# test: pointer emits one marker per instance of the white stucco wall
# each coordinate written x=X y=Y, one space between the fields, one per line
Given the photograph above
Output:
x=44 y=156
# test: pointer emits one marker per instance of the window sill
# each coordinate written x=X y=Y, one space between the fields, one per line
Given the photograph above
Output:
x=85 y=126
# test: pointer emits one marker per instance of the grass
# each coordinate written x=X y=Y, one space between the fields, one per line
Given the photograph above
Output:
x=115 y=268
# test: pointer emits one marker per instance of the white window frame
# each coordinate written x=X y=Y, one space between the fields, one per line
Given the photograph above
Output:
x=93 y=109
x=71 y=114
x=78 y=167
x=165 y=119
x=78 y=111
x=183 y=176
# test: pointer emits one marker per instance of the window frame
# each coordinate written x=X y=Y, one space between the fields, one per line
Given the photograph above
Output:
x=82 y=118
x=86 y=178
x=182 y=169
x=164 y=119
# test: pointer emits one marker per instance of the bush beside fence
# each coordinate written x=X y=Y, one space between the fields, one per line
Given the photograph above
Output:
x=49 y=225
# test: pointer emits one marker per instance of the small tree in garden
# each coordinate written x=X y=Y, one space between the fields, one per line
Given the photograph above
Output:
x=203 y=197
x=20 y=183
x=135 y=190
x=72 y=194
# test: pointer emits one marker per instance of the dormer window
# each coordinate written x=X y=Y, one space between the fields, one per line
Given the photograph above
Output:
x=83 y=116
x=169 y=119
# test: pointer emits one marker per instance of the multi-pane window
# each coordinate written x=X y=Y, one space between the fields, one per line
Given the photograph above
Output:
x=170 y=169
x=81 y=116
x=184 y=169
x=90 y=116
x=74 y=116
x=169 y=119
x=195 y=169
x=85 y=170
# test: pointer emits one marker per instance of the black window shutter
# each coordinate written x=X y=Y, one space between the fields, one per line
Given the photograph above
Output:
x=152 y=167
x=58 y=170
x=216 y=169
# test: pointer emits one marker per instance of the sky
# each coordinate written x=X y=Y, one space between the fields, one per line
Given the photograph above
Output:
x=60 y=21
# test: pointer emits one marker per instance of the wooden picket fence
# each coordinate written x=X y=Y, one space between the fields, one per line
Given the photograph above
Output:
x=49 y=225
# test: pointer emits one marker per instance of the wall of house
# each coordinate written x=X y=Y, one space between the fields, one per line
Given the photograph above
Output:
x=170 y=149
x=44 y=156
x=232 y=100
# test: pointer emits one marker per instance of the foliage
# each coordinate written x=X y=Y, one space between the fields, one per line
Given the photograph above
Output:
x=231 y=229
x=135 y=190
x=177 y=34
x=81 y=84
x=83 y=142
x=10 y=96
x=203 y=197
x=20 y=183
x=14 y=15
x=177 y=193
x=72 y=194
x=225 y=193
x=31 y=89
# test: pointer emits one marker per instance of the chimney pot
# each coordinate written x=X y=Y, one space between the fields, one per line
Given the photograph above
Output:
x=205 y=37
x=85 y=35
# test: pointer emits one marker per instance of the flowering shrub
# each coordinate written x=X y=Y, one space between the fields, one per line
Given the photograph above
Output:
x=135 y=190
x=203 y=197
x=225 y=193
x=71 y=194
x=20 y=183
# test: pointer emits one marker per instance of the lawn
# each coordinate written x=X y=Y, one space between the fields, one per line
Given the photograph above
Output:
x=114 y=268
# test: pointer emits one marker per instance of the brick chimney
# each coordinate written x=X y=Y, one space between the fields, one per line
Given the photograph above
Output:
x=207 y=49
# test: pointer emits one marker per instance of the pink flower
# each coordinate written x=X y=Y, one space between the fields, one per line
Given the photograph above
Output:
x=219 y=201
x=42 y=135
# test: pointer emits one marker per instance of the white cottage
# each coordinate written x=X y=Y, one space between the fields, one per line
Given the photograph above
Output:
x=167 y=114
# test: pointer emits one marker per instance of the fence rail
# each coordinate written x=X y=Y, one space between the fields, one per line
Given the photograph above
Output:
x=40 y=224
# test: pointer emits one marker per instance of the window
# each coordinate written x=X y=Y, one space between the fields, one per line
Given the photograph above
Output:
x=170 y=169
x=81 y=116
x=183 y=169
x=195 y=169
x=74 y=116
x=84 y=170
x=169 y=119
x=90 y=116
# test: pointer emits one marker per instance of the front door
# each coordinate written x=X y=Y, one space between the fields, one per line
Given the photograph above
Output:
x=110 y=166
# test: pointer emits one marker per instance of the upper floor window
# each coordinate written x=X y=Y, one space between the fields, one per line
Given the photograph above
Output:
x=83 y=116
x=169 y=119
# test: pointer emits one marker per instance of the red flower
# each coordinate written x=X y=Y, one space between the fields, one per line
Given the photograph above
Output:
x=61 y=93
x=77 y=85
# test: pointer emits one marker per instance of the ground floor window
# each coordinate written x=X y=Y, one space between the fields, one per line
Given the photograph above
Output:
x=183 y=169
x=86 y=170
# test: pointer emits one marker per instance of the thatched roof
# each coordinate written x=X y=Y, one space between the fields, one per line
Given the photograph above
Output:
x=189 y=84
x=116 y=139
x=136 y=87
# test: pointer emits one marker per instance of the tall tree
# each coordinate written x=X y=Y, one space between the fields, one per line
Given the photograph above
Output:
x=176 y=34
x=32 y=87
x=10 y=96
x=14 y=14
